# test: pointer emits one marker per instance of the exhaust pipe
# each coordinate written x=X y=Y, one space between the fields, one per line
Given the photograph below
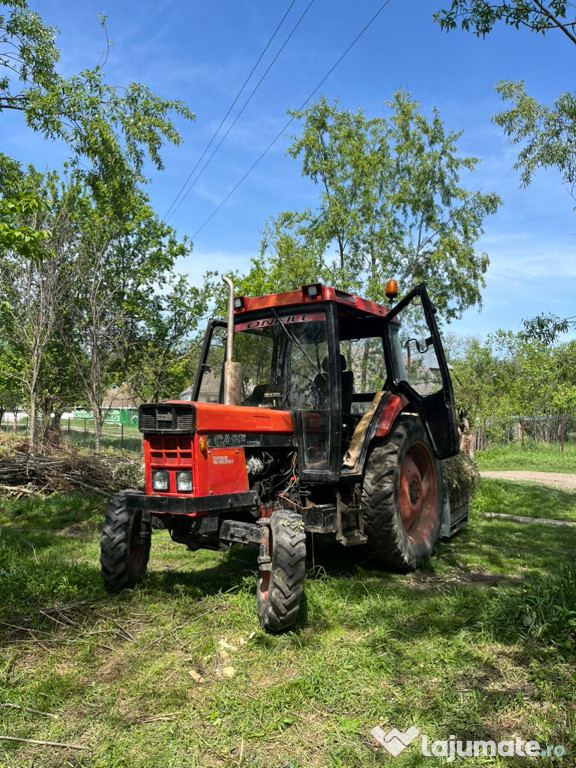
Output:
x=232 y=370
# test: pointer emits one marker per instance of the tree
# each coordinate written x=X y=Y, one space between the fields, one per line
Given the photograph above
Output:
x=479 y=381
x=89 y=295
x=508 y=375
x=481 y=16
x=160 y=357
x=391 y=203
x=30 y=285
x=130 y=315
x=546 y=134
x=66 y=247
x=110 y=130
x=546 y=328
x=12 y=390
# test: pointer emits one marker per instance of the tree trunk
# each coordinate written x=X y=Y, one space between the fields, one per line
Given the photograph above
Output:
x=32 y=427
x=52 y=431
x=97 y=414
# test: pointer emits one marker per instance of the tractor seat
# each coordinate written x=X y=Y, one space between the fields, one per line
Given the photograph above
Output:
x=347 y=379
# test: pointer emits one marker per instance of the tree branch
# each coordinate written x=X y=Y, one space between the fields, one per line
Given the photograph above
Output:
x=555 y=21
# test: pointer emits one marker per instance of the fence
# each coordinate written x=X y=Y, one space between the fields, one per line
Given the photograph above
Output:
x=524 y=431
x=79 y=433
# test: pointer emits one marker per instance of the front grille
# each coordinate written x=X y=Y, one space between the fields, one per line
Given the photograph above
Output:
x=185 y=422
x=167 y=418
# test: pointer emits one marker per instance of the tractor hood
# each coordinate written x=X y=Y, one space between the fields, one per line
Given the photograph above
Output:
x=221 y=421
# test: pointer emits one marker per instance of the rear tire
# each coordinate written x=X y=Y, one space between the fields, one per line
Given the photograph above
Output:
x=281 y=580
x=402 y=493
x=124 y=546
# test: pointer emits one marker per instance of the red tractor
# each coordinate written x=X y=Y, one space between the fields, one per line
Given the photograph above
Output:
x=313 y=411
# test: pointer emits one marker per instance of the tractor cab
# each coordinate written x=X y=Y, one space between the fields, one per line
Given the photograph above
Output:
x=330 y=357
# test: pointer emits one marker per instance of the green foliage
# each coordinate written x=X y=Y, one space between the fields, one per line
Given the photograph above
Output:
x=547 y=327
x=547 y=133
x=480 y=16
x=510 y=374
x=391 y=203
x=25 y=239
x=98 y=303
x=110 y=131
x=27 y=49
x=86 y=268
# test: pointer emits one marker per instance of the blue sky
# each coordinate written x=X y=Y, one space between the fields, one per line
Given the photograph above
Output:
x=201 y=51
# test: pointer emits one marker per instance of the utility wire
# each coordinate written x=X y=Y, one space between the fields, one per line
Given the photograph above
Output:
x=244 y=107
x=269 y=147
x=245 y=83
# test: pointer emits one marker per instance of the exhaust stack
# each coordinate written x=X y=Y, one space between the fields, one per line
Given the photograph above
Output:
x=232 y=370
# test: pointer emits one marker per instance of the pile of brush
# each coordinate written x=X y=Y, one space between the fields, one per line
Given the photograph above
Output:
x=461 y=476
x=24 y=474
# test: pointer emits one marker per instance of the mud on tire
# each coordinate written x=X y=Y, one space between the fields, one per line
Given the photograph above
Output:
x=279 y=589
x=402 y=492
x=124 y=546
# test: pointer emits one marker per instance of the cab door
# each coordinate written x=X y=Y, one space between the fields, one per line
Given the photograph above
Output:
x=418 y=370
x=209 y=382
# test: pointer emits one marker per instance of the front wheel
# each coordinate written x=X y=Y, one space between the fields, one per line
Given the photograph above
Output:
x=402 y=493
x=282 y=568
x=124 y=546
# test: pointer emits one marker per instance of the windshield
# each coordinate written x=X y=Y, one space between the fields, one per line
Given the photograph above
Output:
x=284 y=360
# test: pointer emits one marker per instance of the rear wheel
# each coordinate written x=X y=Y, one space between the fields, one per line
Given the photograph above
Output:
x=124 y=546
x=282 y=569
x=402 y=492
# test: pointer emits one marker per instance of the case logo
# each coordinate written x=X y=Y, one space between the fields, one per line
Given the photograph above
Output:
x=229 y=441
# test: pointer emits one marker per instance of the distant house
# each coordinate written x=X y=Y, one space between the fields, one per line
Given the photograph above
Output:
x=121 y=397
x=209 y=391
x=186 y=395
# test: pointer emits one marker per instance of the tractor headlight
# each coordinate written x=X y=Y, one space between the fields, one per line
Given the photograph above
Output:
x=184 y=482
x=160 y=480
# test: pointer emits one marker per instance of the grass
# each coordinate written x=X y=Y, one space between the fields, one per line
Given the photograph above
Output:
x=540 y=457
x=79 y=434
x=177 y=672
x=527 y=500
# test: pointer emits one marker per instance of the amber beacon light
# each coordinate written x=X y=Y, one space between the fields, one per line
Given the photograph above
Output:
x=391 y=289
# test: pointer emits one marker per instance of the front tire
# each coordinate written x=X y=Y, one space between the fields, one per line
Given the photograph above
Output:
x=124 y=546
x=281 y=576
x=402 y=493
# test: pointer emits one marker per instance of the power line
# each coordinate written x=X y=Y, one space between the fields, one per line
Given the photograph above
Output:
x=269 y=147
x=231 y=107
x=294 y=28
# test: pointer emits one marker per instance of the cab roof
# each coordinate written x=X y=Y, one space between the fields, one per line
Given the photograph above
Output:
x=308 y=295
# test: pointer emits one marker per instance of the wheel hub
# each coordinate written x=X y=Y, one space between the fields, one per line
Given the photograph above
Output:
x=417 y=493
x=414 y=491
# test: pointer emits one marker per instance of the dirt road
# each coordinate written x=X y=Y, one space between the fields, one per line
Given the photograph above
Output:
x=555 y=479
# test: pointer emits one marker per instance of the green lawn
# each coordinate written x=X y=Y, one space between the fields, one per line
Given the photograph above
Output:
x=177 y=673
x=526 y=500
x=541 y=457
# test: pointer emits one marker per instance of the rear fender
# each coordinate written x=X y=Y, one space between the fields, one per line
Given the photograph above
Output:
x=377 y=422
